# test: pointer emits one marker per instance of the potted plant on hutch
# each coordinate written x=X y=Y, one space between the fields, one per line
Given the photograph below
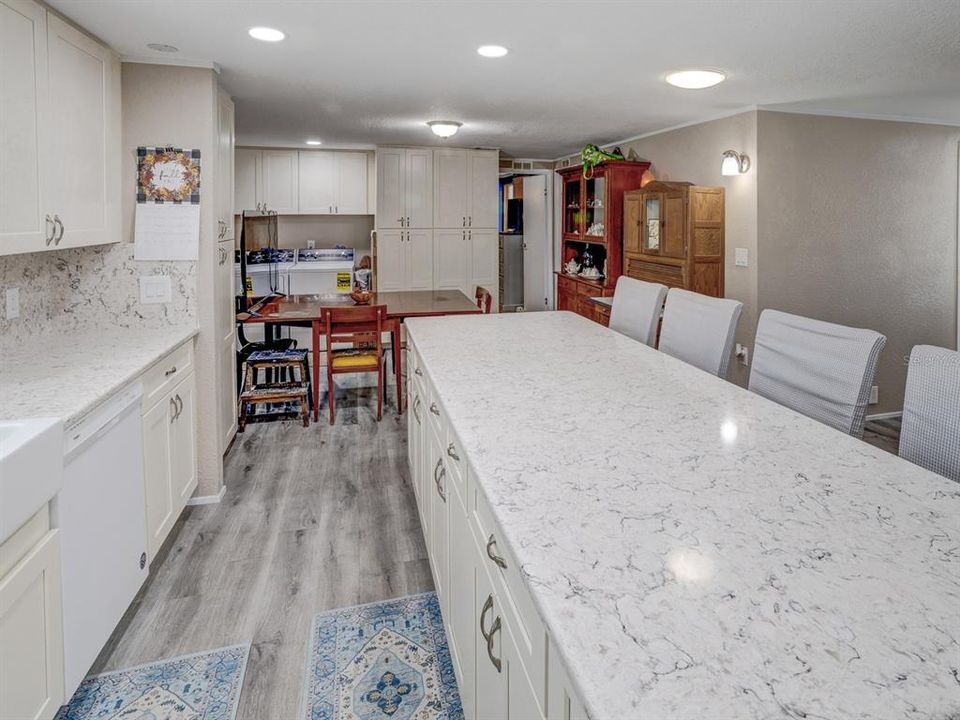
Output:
x=591 y=234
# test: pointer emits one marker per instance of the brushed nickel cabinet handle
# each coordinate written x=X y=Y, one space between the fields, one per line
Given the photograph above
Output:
x=400 y=220
x=451 y=451
x=491 y=543
x=434 y=409
x=487 y=606
x=437 y=478
x=52 y=230
x=470 y=221
x=171 y=371
x=488 y=636
x=418 y=371
x=464 y=222
x=173 y=410
x=58 y=221
x=416 y=404
x=179 y=405
x=408 y=221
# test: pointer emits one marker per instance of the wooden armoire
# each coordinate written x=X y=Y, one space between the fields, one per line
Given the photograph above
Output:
x=673 y=234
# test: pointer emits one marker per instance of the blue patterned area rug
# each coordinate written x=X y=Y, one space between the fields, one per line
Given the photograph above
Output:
x=383 y=661
x=204 y=686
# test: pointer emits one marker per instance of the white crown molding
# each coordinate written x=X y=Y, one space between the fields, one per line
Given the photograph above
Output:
x=151 y=60
x=860 y=116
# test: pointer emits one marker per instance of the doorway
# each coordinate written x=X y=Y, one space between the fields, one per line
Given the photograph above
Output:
x=526 y=226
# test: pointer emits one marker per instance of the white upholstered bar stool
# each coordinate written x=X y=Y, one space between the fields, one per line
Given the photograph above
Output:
x=699 y=329
x=820 y=369
x=636 y=309
x=930 y=434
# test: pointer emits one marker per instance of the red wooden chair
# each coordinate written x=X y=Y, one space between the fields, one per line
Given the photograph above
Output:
x=484 y=299
x=362 y=326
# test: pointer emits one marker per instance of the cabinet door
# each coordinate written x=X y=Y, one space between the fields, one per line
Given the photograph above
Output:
x=414 y=435
x=673 y=242
x=225 y=173
x=418 y=187
x=451 y=260
x=632 y=215
x=84 y=137
x=31 y=634
x=391 y=184
x=451 y=182
x=246 y=182
x=484 y=262
x=652 y=224
x=521 y=698
x=183 y=450
x=391 y=259
x=158 y=494
x=351 y=198
x=491 y=691
x=419 y=260
x=483 y=210
x=439 y=539
x=462 y=614
x=23 y=97
x=279 y=184
x=318 y=182
x=227 y=395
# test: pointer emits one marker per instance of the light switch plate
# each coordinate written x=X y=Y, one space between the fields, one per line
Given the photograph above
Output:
x=743 y=354
x=155 y=289
x=311 y=244
x=742 y=257
x=13 y=303
x=874 y=395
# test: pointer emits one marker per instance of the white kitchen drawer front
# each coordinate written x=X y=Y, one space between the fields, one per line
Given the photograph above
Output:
x=164 y=375
x=518 y=609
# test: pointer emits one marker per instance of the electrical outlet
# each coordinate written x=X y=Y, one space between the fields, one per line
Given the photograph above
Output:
x=874 y=395
x=311 y=244
x=742 y=257
x=155 y=289
x=13 y=303
x=743 y=354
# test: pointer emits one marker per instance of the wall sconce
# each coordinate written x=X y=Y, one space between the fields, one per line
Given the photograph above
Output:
x=734 y=163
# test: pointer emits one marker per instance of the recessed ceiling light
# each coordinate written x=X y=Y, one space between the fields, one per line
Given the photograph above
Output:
x=266 y=34
x=314 y=142
x=492 y=51
x=445 y=128
x=162 y=47
x=695 y=79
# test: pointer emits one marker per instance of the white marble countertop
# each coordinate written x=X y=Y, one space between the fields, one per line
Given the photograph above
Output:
x=65 y=375
x=696 y=550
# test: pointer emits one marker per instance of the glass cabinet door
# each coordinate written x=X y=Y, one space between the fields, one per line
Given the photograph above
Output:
x=571 y=206
x=594 y=212
x=651 y=224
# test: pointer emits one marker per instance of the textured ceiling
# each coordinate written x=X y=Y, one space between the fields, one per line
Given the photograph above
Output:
x=362 y=72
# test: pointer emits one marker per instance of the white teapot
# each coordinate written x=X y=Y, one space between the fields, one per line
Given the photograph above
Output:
x=572 y=267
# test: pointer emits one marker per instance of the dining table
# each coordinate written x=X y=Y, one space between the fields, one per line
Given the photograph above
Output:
x=310 y=311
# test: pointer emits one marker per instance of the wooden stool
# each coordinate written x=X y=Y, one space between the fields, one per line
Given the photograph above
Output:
x=279 y=382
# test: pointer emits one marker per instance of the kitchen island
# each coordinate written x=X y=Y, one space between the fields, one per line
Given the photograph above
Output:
x=689 y=549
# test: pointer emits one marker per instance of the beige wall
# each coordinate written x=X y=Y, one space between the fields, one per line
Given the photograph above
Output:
x=693 y=154
x=857 y=222
x=294 y=231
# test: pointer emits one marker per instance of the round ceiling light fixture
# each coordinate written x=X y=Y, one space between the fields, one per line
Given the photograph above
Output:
x=266 y=34
x=492 y=51
x=314 y=142
x=695 y=79
x=163 y=47
x=445 y=128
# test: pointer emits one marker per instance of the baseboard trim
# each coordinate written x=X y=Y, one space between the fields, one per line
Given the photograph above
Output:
x=208 y=499
x=886 y=415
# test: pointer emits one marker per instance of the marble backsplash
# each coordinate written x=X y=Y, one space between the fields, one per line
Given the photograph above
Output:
x=92 y=287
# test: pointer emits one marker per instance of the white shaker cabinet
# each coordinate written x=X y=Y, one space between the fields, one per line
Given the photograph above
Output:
x=59 y=134
x=351 y=185
x=247 y=175
x=280 y=181
x=404 y=188
x=484 y=194
x=466 y=190
x=332 y=183
x=31 y=624
x=226 y=333
x=405 y=260
x=465 y=259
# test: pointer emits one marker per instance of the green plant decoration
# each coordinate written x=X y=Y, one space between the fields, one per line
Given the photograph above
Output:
x=591 y=156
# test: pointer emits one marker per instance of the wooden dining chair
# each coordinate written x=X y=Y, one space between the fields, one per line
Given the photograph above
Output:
x=362 y=326
x=484 y=299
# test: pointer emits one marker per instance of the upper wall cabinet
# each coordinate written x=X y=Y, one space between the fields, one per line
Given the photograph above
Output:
x=308 y=182
x=466 y=190
x=59 y=134
x=404 y=188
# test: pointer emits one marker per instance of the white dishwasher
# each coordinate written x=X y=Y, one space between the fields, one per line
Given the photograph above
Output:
x=103 y=531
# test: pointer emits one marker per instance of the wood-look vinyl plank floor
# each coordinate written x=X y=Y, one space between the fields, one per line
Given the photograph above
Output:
x=312 y=519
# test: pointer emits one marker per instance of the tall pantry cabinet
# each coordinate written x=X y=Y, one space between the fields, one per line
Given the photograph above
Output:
x=437 y=219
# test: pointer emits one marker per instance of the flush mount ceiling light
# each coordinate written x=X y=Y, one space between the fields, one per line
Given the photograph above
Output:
x=734 y=163
x=492 y=51
x=314 y=142
x=445 y=128
x=162 y=47
x=266 y=34
x=695 y=79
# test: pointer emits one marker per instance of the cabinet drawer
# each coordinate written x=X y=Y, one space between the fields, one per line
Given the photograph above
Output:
x=455 y=461
x=437 y=417
x=163 y=375
x=519 y=611
x=589 y=290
